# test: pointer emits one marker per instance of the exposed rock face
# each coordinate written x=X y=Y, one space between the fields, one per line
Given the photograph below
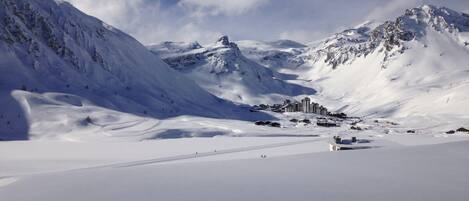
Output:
x=390 y=36
x=224 y=41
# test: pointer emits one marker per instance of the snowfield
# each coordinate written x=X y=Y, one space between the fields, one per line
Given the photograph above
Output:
x=428 y=172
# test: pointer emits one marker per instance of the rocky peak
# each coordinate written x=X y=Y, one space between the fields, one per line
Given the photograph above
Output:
x=439 y=18
x=223 y=40
x=392 y=35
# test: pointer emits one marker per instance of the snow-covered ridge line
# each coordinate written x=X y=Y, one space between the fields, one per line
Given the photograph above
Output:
x=414 y=66
x=222 y=69
x=275 y=54
x=390 y=36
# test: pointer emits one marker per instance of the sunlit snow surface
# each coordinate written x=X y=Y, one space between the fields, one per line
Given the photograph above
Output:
x=170 y=170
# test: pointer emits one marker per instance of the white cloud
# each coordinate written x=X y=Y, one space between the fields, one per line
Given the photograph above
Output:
x=149 y=23
x=219 y=7
x=187 y=33
x=303 y=36
x=392 y=9
x=152 y=21
x=114 y=12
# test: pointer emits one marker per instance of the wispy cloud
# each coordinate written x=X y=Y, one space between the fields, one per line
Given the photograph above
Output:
x=302 y=35
x=114 y=12
x=153 y=21
x=392 y=8
x=216 y=7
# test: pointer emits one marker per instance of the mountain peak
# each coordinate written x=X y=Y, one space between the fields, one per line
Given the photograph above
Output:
x=427 y=7
x=223 y=40
x=393 y=35
x=435 y=15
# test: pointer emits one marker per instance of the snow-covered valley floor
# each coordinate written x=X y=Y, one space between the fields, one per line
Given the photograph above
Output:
x=400 y=166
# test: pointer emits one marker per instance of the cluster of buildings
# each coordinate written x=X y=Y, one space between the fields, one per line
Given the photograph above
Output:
x=305 y=106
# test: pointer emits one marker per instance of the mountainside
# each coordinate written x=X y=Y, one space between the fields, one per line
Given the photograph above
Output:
x=417 y=65
x=223 y=70
x=57 y=64
x=275 y=54
x=391 y=37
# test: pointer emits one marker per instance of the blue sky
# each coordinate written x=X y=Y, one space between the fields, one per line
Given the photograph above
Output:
x=152 y=21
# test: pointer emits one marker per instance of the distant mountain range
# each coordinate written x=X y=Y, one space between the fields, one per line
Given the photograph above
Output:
x=415 y=65
x=222 y=69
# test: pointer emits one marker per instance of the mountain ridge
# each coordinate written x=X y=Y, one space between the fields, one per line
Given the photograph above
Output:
x=400 y=68
x=222 y=69
x=344 y=46
x=54 y=56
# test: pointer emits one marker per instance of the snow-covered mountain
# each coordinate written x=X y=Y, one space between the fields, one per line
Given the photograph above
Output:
x=59 y=66
x=391 y=36
x=62 y=72
x=416 y=65
x=275 y=54
x=169 y=48
x=222 y=69
x=342 y=47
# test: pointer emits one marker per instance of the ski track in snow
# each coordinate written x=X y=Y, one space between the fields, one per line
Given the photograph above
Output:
x=8 y=179
x=5 y=181
x=196 y=155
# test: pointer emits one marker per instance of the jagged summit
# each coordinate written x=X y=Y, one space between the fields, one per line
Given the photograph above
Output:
x=431 y=13
x=415 y=24
x=223 y=40
x=391 y=36
x=415 y=64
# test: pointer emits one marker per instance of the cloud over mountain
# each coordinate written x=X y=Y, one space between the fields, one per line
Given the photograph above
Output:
x=153 y=21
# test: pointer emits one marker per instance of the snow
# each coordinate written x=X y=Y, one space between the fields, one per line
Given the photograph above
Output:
x=275 y=54
x=363 y=72
x=423 y=80
x=24 y=158
x=104 y=118
x=222 y=69
x=430 y=172
x=57 y=49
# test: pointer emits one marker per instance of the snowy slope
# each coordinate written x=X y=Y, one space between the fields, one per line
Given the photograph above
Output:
x=222 y=69
x=168 y=48
x=56 y=61
x=274 y=54
x=342 y=47
x=417 y=65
